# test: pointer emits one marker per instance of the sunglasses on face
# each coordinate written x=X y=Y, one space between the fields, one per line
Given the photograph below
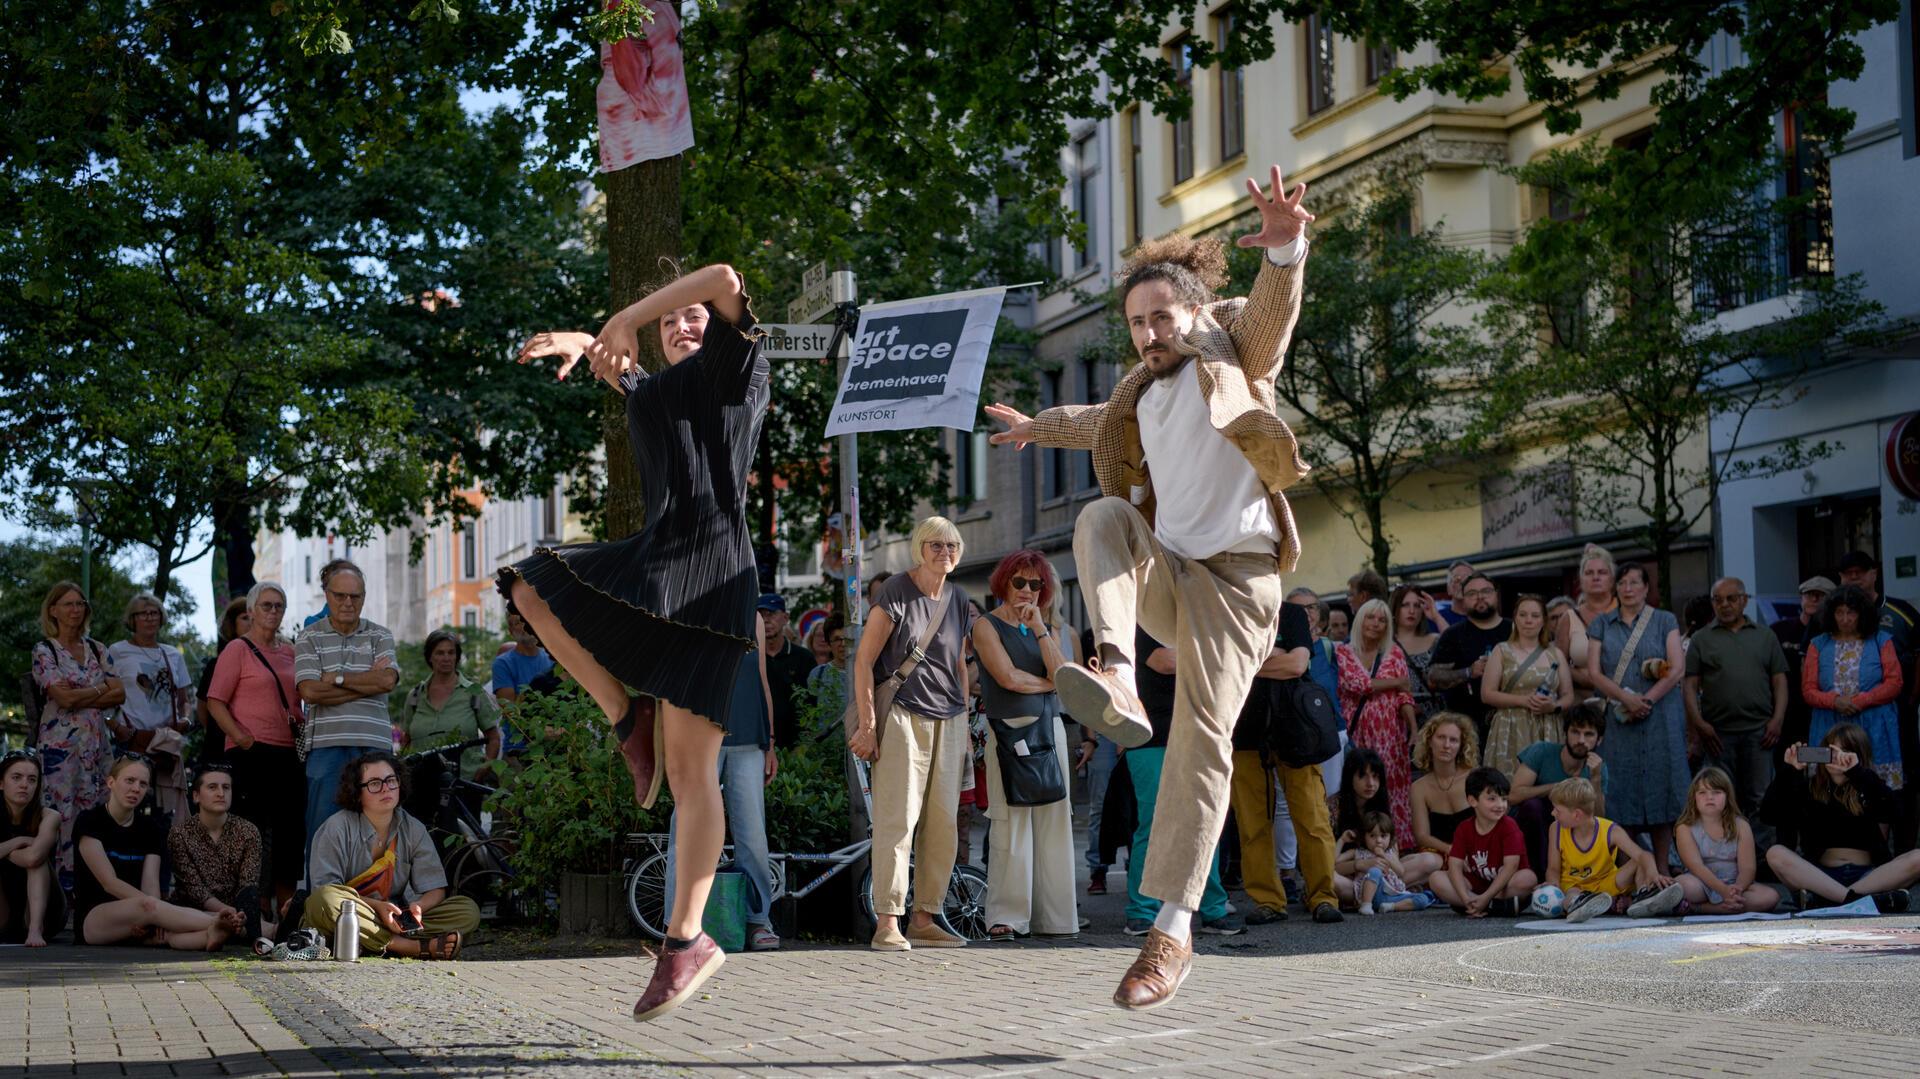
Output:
x=1025 y=584
x=24 y=753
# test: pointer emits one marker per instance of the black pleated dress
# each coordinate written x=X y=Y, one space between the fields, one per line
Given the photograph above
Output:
x=670 y=609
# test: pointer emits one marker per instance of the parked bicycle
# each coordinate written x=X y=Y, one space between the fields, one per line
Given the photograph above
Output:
x=477 y=857
x=963 y=910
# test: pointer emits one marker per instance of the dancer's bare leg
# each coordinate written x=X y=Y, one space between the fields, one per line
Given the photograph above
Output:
x=700 y=821
x=607 y=691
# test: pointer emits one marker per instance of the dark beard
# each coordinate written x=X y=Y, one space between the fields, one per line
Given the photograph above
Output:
x=1162 y=374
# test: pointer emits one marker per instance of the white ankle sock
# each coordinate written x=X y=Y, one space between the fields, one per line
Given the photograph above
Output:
x=1175 y=921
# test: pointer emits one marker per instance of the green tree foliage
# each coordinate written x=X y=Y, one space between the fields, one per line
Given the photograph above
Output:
x=1608 y=320
x=1381 y=379
x=232 y=271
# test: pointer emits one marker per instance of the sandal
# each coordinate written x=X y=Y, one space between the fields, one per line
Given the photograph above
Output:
x=445 y=947
x=1001 y=933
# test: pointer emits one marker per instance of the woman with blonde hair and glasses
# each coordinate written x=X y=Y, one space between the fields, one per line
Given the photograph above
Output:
x=918 y=741
x=71 y=670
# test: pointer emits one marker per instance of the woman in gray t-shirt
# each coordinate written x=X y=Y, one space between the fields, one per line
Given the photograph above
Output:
x=919 y=745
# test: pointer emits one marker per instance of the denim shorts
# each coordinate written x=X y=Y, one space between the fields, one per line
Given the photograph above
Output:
x=1846 y=875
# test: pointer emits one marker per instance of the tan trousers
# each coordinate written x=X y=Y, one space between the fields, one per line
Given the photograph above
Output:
x=1219 y=616
x=916 y=804
x=456 y=913
x=1030 y=867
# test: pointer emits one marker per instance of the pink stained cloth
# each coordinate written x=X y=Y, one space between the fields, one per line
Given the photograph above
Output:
x=643 y=95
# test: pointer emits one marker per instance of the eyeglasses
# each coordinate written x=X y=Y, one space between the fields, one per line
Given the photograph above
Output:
x=838 y=638
x=346 y=597
x=383 y=783
x=943 y=545
x=148 y=613
x=1481 y=592
x=263 y=605
x=1028 y=584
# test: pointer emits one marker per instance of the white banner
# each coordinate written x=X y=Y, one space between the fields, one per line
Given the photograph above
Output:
x=917 y=363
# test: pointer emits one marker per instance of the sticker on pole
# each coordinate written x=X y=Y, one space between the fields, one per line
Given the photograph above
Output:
x=917 y=363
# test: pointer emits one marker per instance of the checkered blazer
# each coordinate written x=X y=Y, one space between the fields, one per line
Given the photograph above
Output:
x=1238 y=347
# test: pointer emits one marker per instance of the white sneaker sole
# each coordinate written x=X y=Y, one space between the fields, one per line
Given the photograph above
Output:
x=1585 y=911
x=1088 y=700
x=1659 y=904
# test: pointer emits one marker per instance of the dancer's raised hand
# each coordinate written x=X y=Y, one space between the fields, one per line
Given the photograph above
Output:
x=566 y=344
x=1281 y=217
x=616 y=351
x=1019 y=426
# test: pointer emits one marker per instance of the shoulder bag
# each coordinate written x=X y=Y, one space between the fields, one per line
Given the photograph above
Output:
x=1032 y=778
x=1626 y=660
x=302 y=730
x=884 y=691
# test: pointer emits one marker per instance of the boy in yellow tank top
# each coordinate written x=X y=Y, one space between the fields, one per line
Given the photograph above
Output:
x=1598 y=865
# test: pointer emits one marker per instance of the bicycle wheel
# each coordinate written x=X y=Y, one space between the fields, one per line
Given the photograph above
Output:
x=964 y=909
x=647 y=896
x=480 y=872
x=865 y=898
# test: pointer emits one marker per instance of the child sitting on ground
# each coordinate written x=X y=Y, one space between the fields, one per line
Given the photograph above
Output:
x=1716 y=845
x=1598 y=866
x=1487 y=870
x=1381 y=887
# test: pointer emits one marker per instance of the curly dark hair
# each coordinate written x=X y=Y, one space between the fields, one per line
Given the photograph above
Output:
x=1196 y=268
x=347 y=795
x=1855 y=599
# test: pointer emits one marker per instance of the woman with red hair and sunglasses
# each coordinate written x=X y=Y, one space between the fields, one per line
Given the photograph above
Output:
x=1030 y=846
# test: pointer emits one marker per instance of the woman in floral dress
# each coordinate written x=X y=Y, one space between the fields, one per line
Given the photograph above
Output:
x=70 y=669
x=1374 y=697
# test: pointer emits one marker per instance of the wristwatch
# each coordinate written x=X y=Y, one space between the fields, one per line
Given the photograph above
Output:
x=339 y=678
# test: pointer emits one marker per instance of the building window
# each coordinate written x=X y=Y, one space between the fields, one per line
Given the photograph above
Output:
x=1053 y=463
x=1233 y=88
x=550 y=516
x=1319 y=64
x=469 y=557
x=1183 y=127
x=1091 y=394
x=1567 y=315
x=1136 y=193
x=469 y=618
x=309 y=569
x=969 y=467
x=1809 y=238
x=1380 y=60
x=1086 y=200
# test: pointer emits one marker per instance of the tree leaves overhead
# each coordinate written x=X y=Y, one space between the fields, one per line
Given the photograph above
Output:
x=236 y=270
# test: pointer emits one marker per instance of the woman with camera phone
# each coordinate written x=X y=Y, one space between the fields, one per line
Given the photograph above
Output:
x=1842 y=810
x=381 y=859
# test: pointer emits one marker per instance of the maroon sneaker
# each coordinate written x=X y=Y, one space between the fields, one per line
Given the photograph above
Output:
x=677 y=976
x=641 y=750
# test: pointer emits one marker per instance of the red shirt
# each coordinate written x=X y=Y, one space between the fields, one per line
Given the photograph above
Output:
x=1484 y=854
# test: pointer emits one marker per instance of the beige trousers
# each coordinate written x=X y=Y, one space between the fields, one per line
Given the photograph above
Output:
x=1030 y=861
x=1219 y=616
x=916 y=804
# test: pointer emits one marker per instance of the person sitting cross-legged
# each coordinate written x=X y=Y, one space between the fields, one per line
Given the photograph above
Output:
x=1487 y=870
x=1598 y=865
x=381 y=859
x=1841 y=811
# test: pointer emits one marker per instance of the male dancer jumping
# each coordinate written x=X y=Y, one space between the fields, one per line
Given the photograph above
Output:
x=1191 y=537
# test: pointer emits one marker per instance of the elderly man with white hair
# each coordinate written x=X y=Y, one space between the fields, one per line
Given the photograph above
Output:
x=344 y=667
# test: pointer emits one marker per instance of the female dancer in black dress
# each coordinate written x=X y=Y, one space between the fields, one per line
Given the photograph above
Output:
x=667 y=611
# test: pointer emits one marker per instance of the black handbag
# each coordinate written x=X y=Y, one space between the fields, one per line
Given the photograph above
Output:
x=1033 y=778
x=1304 y=725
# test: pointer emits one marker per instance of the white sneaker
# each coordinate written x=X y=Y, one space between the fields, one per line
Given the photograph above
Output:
x=1103 y=702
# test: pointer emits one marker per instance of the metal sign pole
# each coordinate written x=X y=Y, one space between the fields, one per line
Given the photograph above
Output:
x=847 y=317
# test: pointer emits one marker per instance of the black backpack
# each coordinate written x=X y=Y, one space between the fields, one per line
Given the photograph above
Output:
x=1303 y=725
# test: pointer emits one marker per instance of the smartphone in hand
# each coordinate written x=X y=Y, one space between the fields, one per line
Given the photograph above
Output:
x=404 y=918
x=1814 y=755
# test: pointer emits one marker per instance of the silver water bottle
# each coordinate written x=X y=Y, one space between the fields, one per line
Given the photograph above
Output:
x=346 y=933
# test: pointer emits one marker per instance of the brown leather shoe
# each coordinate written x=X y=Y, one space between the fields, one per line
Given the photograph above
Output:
x=641 y=751
x=1103 y=701
x=676 y=975
x=1156 y=975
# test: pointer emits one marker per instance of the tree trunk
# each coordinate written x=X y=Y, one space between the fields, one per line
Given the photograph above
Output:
x=232 y=551
x=162 y=571
x=1377 y=532
x=643 y=228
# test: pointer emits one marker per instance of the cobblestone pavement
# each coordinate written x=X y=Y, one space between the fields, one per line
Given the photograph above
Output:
x=1399 y=995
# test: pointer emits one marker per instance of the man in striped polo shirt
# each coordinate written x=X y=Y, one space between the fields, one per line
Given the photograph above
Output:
x=344 y=668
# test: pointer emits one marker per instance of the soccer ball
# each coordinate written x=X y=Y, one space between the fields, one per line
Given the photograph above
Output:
x=1548 y=902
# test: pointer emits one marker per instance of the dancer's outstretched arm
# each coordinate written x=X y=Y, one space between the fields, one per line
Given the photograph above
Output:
x=617 y=348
